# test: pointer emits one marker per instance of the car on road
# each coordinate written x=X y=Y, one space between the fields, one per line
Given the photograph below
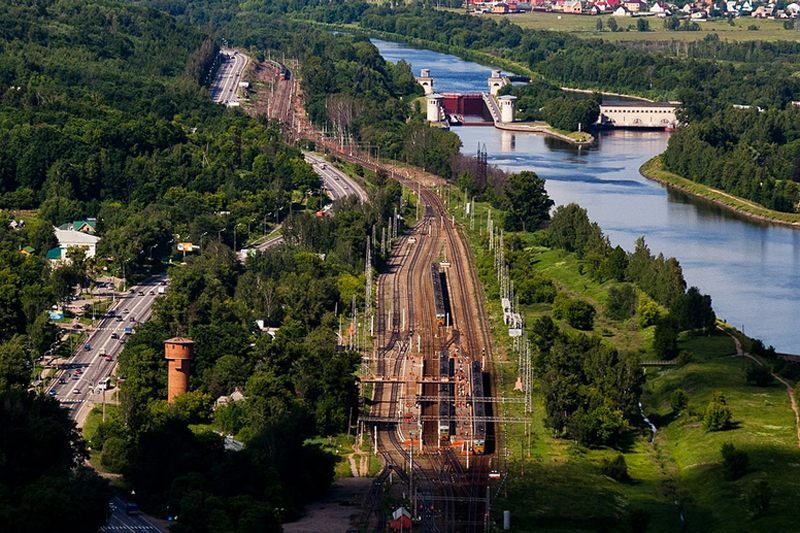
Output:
x=133 y=319
x=52 y=392
x=62 y=380
x=76 y=390
x=152 y=292
x=109 y=358
x=114 y=335
x=78 y=371
x=87 y=347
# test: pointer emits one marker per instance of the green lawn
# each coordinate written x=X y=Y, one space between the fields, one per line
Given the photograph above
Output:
x=586 y=27
x=557 y=485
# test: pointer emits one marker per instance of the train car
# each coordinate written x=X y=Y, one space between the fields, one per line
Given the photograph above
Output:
x=438 y=295
x=445 y=413
x=445 y=391
x=478 y=410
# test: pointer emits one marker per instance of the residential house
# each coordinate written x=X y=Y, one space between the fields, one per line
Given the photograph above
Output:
x=763 y=12
x=621 y=11
x=636 y=6
x=84 y=226
x=67 y=239
x=501 y=8
x=574 y=8
x=660 y=8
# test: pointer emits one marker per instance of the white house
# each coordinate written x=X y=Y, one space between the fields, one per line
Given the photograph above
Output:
x=659 y=8
x=621 y=11
x=68 y=238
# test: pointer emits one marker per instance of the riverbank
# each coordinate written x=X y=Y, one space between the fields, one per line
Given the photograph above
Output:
x=654 y=169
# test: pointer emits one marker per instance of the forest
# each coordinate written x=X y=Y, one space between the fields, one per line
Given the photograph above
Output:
x=104 y=114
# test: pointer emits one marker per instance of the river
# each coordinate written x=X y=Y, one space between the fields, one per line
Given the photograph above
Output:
x=749 y=269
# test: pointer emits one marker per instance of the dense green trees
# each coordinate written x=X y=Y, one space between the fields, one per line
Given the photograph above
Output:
x=659 y=278
x=591 y=391
x=526 y=202
x=571 y=114
x=44 y=484
x=744 y=152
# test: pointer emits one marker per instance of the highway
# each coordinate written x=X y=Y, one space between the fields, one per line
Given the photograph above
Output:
x=120 y=520
x=75 y=383
x=336 y=183
x=225 y=87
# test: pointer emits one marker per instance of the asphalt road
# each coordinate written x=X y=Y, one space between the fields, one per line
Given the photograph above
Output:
x=336 y=183
x=119 y=520
x=82 y=373
x=225 y=87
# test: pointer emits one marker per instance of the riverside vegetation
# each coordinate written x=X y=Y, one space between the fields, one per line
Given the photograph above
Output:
x=724 y=453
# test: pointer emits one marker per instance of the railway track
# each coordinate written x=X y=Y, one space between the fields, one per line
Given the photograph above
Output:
x=410 y=278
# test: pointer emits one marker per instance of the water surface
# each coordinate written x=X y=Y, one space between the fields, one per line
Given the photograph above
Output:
x=750 y=269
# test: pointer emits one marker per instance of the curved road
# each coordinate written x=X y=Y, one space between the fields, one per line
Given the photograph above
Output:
x=225 y=87
x=336 y=184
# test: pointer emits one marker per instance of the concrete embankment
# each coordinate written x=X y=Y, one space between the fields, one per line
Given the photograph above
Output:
x=654 y=169
x=544 y=130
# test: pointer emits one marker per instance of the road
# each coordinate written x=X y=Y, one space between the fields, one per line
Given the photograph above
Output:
x=76 y=382
x=119 y=520
x=225 y=87
x=336 y=183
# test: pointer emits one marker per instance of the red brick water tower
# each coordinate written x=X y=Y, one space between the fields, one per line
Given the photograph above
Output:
x=178 y=351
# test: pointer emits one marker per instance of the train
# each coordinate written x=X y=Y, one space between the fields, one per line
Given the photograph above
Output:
x=283 y=72
x=478 y=409
x=445 y=391
x=438 y=296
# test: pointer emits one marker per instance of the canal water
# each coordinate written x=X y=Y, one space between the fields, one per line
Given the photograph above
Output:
x=749 y=269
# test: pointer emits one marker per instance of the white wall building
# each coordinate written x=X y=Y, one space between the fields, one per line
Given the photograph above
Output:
x=76 y=239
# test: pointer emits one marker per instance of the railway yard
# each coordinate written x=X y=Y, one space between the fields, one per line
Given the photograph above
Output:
x=427 y=370
x=430 y=411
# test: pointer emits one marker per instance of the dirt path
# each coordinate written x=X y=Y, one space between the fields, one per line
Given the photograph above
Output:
x=789 y=390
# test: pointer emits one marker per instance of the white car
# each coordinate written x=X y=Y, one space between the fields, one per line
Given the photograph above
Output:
x=76 y=391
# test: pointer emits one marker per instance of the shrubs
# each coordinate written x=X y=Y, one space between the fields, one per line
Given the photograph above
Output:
x=735 y=461
x=616 y=468
x=678 y=400
x=621 y=302
x=718 y=415
x=758 y=497
x=577 y=313
x=758 y=375
x=115 y=454
x=665 y=340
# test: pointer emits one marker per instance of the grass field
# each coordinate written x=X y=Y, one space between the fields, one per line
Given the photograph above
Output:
x=585 y=26
x=557 y=485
